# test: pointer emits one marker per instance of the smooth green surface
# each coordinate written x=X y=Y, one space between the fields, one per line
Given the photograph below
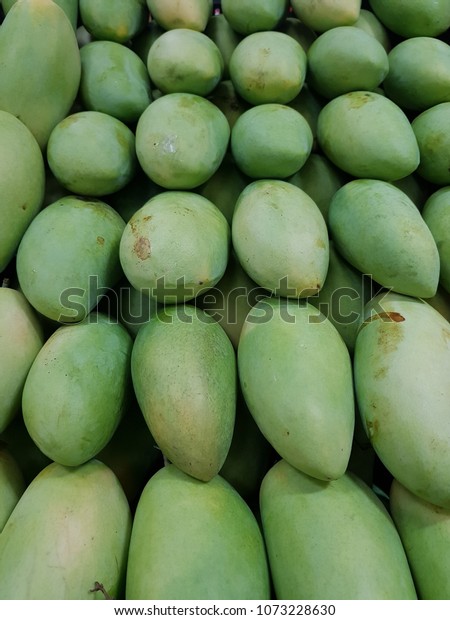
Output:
x=193 y=14
x=113 y=20
x=436 y=213
x=432 y=131
x=12 y=484
x=246 y=16
x=326 y=14
x=413 y=18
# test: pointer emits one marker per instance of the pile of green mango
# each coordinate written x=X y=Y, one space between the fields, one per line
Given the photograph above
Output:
x=225 y=300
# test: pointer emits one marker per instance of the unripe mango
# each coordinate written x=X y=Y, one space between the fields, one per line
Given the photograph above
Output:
x=12 y=484
x=436 y=213
x=171 y=14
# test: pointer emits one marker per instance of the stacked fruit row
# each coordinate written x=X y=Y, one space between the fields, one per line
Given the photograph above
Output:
x=224 y=315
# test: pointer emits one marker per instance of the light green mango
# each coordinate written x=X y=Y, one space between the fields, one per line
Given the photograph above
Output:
x=22 y=175
x=195 y=540
x=40 y=69
x=219 y=30
x=436 y=214
x=69 y=257
x=192 y=417
x=12 y=484
x=370 y=23
x=346 y=59
x=113 y=20
x=114 y=80
x=278 y=61
x=296 y=377
x=21 y=338
x=171 y=130
x=401 y=368
x=330 y=540
x=368 y=135
x=280 y=238
x=379 y=230
x=175 y=272
x=75 y=392
x=432 y=131
x=185 y=61
x=70 y=7
x=425 y=532
x=419 y=73
x=413 y=18
x=326 y=14
x=70 y=529
x=193 y=14
x=247 y=17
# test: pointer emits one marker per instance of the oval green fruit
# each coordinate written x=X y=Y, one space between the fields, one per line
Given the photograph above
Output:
x=114 y=80
x=76 y=390
x=280 y=238
x=279 y=131
x=70 y=529
x=368 y=135
x=436 y=214
x=246 y=17
x=379 y=230
x=432 y=131
x=169 y=271
x=193 y=14
x=22 y=184
x=171 y=130
x=425 y=532
x=21 y=338
x=284 y=346
x=92 y=153
x=268 y=67
x=413 y=18
x=222 y=34
x=401 y=366
x=326 y=14
x=12 y=484
x=215 y=551
x=113 y=20
x=40 y=69
x=69 y=257
x=330 y=540
x=185 y=61
x=70 y=7
x=192 y=417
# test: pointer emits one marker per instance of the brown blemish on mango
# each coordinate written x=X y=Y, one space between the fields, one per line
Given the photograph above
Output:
x=142 y=248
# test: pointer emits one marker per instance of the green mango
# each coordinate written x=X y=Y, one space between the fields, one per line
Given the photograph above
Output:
x=135 y=307
x=113 y=20
x=379 y=230
x=192 y=418
x=225 y=97
x=413 y=18
x=172 y=272
x=71 y=421
x=219 y=30
x=171 y=129
x=309 y=105
x=12 y=484
x=142 y=42
x=92 y=153
x=419 y=73
x=195 y=540
x=296 y=377
x=114 y=80
x=432 y=131
x=326 y=14
x=401 y=368
x=441 y=302
x=246 y=17
x=370 y=23
x=368 y=135
x=21 y=338
x=40 y=69
x=346 y=59
x=436 y=214
x=425 y=532
x=63 y=274
x=70 y=7
x=193 y=14
x=278 y=61
x=296 y=29
x=22 y=184
x=280 y=238
x=185 y=61
x=330 y=540
x=70 y=530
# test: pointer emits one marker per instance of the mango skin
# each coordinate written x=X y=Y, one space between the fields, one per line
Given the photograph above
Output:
x=436 y=214
x=425 y=533
x=183 y=369
x=22 y=174
x=432 y=131
x=327 y=14
x=12 y=484
x=195 y=540
x=70 y=528
x=193 y=14
x=401 y=368
x=40 y=70
x=63 y=274
x=413 y=18
x=70 y=7
x=113 y=20
x=380 y=231
x=283 y=348
x=76 y=390
x=368 y=136
x=246 y=17
x=330 y=540
x=21 y=338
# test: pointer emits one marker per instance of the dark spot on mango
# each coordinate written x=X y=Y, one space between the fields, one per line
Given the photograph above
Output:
x=142 y=248
x=100 y=240
x=388 y=317
x=372 y=428
x=24 y=207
